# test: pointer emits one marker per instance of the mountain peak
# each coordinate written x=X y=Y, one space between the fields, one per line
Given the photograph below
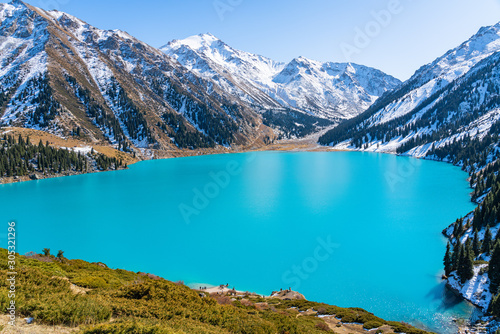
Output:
x=196 y=42
x=492 y=28
x=12 y=6
x=487 y=39
x=302 y=61
x=208 y=36
x=456 y=62
x=310 y=85
x=17 y=2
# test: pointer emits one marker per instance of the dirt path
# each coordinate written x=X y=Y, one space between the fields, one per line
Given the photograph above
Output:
x=23 y=328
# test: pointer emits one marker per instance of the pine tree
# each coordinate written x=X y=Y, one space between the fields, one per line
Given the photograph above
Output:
x=460 y=228
x=494 y=308
x=487 y=242
x=468 y=263
x=459 y=266
x=465 y=268
x=468 y=243
x=476 y=246
x=448 y=262
x=493 y=217
x=456 y=255
x=494 y=268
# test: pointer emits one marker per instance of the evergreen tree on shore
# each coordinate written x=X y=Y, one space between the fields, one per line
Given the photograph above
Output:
x=494 y=268
x=494 y=308
x=456 y=255
x=448 y=262
x=21 y=158
x=476 y=246
x=465 y=268
x=487 y=242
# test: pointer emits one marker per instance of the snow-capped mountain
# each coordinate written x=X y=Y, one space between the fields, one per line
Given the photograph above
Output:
x=59 y=73
x=331 y=90
x=233 y=70
x=243 y=64
x=340 y=90
x=454 y=95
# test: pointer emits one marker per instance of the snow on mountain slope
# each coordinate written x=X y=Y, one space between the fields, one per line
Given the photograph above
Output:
x=59 y=73
x=241 y=73
x=341 y=89
x=22 y=55
x=256 y=68
x=327 y=90
x=443 y=101
x=435 y=76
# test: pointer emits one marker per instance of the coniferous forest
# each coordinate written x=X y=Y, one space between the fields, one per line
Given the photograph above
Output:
x=293 y=124
x=19 y=157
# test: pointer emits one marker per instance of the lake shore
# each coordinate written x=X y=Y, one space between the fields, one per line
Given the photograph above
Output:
x=304 y=145
x=307 y=144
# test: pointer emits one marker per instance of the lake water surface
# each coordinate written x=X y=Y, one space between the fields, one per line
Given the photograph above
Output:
x=346 y=228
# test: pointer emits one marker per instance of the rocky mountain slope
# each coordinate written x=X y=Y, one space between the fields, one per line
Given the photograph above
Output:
x=66 y=77
x=454 y=94
x=329 y=90
x=63 y=76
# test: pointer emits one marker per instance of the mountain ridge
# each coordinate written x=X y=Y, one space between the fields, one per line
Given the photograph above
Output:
x=111 y=85
x=61 y=74
x=304 y=84
x=429 y=80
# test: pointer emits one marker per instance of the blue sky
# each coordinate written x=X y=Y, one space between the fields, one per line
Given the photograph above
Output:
x=399 y=35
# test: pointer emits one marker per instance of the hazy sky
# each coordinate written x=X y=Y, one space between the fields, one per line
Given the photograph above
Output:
x=396 y=36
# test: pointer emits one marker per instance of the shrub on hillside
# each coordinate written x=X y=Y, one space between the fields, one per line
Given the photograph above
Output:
x=324 y=327
x=90 y=282
x=372 y=324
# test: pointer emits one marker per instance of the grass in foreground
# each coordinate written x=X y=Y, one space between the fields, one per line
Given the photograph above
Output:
x=99 y=300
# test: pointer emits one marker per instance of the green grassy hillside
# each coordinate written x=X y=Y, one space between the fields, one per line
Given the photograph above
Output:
x=96 y=299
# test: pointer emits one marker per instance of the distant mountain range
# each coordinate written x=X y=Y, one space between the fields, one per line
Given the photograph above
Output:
x=330 y=90
x=64 y=76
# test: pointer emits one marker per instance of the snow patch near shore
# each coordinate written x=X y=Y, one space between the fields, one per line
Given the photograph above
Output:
x=476 y=290
x=82 y=150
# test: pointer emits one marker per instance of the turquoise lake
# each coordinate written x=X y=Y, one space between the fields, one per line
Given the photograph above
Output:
x=347 y=228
